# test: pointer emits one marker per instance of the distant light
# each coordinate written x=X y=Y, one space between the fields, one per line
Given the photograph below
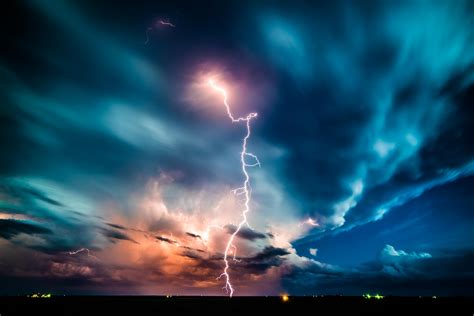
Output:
x=376 y=296
x=39 y=295
x=285 y=298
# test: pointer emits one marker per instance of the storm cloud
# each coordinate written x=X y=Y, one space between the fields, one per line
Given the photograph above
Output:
x=364 y=134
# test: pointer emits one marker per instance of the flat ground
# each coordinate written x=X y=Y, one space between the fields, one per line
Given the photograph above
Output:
x=246 y=306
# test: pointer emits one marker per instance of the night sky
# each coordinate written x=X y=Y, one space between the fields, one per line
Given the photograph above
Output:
x=118 y=160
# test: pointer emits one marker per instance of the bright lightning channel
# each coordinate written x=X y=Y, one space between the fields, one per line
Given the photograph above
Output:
x=83 y=250
x=149 y=29
x=166 y=23
x=244 y=190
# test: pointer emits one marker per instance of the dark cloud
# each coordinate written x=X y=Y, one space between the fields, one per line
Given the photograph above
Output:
x=375 y=123
x=10 y=228
x=193 y=249
x=116 y=226
x=395 y=272
x=257 y=264
x=269 y=253
x=40 y=196
x=245 y=232
x=116 y=235
x=193 y=235
x=36 y=201
x=267 y=258
x=167 y=240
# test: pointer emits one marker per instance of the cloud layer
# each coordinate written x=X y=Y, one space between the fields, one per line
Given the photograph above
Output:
x=113 y=146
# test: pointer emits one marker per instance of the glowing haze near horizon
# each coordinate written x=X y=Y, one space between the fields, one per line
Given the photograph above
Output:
x=118 y=160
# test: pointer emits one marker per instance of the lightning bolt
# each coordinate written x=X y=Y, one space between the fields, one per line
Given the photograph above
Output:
x=245 y=190
x=83 y=250
x=147 y=35
x=149 y=29
x=166 y=23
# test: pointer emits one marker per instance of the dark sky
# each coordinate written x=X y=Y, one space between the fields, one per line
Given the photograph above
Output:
x=118 y=160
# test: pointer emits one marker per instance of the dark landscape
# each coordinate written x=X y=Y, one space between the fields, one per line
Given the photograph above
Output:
x=154 y=305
